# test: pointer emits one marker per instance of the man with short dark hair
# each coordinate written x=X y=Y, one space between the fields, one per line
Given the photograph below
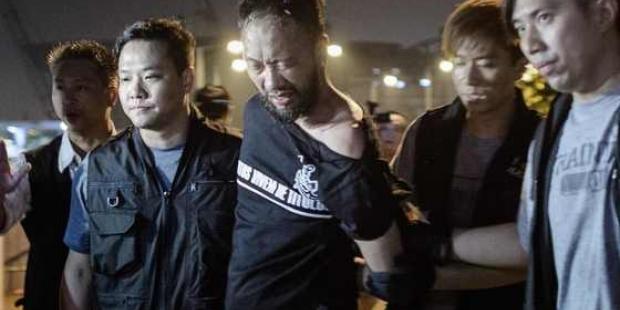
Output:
x=466 y=162
x=83 y=94
x=569 y=219
x=309 y=175
x=152 y=211
x=390 y=127
x=214 y=102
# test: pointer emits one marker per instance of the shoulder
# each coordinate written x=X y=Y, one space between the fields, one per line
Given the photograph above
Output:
x=346 y=134
x=219 y=135
x=42 y=158
x=221 y=147
x=446 y=112
x=50 y=148
x=431 y=117
x=252 y=106
x=115 y=146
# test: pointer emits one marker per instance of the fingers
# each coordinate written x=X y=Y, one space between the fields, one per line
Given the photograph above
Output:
x=359 y=261
x=21 y=172
x=4 y=159
x=8 y=180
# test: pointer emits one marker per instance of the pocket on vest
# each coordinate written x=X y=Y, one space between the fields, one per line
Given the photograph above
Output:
x=114 y=244
x=119 y=196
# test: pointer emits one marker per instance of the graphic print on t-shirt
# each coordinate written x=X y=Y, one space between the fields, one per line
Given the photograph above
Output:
x=303 y=180
x=583 y=216
x=302 y=202
x=584 y=167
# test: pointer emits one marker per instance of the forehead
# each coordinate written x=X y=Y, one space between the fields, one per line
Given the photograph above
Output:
x=522 y=9
x=275 y=34
x=81 y=69
x=141 y=54
x=472 y=47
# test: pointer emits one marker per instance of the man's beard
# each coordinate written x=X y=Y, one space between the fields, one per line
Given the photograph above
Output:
x=301 y=103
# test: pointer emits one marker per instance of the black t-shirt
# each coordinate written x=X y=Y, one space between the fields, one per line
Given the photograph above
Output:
x=289 y=252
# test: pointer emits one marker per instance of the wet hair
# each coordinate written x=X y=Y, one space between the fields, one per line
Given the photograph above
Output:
x=180 y=42
x=481 y=21
x=88 y=50
x=509 y=5
x=310 y=14
x=213 y=101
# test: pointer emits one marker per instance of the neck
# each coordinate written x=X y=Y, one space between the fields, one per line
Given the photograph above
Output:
x=86 y=140
x=610 y=84
x=606 y=76
x=173 y=134
x=328 y=102
x=491 y=124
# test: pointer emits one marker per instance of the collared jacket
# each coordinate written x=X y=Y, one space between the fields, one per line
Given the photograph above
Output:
x=153 y=248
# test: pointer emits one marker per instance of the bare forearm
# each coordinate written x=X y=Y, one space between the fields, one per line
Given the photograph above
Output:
x=459 y=276
x=381 y=252
x=76 y=283
x=491 y=246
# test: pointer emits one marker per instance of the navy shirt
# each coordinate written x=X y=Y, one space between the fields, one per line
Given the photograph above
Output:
x=289 y=252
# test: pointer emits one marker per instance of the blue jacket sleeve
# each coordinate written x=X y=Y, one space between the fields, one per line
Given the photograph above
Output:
x=77 y=234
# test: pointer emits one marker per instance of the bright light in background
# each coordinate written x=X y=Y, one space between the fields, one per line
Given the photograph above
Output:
x=426 y=83
x=334 y=50
x=401 y=84
x=446 y=66
x=390 y=80
x=235 y=47
x=14 y=130
x=63 y=126
x=239 y=65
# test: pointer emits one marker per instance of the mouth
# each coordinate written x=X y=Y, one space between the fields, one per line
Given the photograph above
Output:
x=545 y=68
x=72 y=114
x=281 y=99
x=476 y=97
x=139 y=107
x=476 y=94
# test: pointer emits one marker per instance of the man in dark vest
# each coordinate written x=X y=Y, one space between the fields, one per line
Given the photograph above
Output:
x=152 y=211
x=83 y=93
x=309 y=175
x=466 y=162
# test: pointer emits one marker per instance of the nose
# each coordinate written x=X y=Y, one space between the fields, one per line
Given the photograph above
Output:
x=471 y=73
x=136 y=89
x=68 y=96
x=272 y=78
x=530 y=41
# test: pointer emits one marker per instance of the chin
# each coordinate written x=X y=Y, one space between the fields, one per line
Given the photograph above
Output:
x=561 y=83
x=140 y=123
x=75 y=126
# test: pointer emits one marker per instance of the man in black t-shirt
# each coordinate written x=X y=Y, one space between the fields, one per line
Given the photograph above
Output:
x=309 y=175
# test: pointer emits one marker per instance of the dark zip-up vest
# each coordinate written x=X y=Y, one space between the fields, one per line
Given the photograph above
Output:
x=45 y=226
x=153 y=248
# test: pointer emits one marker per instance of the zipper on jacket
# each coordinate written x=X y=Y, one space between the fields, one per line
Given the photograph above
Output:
x=167 y=194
